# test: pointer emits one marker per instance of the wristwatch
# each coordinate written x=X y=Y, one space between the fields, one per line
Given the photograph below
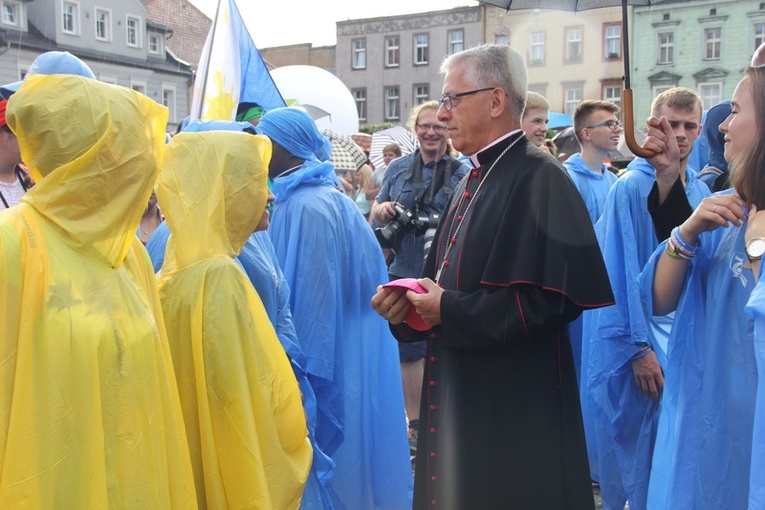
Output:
x=755 y=248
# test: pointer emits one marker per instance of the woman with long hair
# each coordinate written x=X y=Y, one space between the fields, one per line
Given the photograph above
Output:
x=362 y=180
x=707 y=273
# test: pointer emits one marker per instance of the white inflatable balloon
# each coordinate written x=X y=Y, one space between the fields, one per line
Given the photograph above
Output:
x=316 y=89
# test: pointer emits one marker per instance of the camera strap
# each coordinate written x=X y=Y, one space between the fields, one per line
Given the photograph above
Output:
x=442 y=177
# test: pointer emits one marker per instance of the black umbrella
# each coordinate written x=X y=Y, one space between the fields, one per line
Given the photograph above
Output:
x=583 y=5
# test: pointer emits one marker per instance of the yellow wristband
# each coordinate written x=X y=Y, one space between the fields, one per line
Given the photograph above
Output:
x=669 y=251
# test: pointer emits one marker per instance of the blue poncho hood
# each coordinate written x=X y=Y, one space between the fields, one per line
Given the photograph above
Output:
x=294 y=130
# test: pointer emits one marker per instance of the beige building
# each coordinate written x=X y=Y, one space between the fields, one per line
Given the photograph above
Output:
x=391 y=64
x=305 y=54
x=570 y=56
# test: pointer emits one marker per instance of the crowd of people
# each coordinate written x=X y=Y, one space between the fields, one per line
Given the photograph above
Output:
x=224 y=318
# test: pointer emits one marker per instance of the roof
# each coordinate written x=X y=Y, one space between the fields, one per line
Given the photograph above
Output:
x=34 y=40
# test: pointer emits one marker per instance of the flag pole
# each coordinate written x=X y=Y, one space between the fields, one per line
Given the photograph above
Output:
x=209 y=54
x=259 y=56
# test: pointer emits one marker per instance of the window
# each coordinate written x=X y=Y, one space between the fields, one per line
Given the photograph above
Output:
x=658 y=89
x=712 y=42
x=612 y=43
x=108 y=79
x=103 y=25
x=537 y=48
x=392 y=51
x=420 y=49
x=133 y=26
x=501 y=39
x=573 y=44
x=138 y=86
x=168 y=99
x=391 y=103
x=154 y=44
x=666 y=47
x=711 y=94
x=359 y=54
x=71 y=18
x=360 y=96
x=613 y=92
x=759 y=34
x=421 y=94
x=573 y=96
x=11 y=13
x=456 y=41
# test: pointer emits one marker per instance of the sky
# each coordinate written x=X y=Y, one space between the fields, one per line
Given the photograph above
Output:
x=284 y=22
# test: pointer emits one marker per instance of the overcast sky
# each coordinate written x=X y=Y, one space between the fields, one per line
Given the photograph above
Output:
x=283 y=22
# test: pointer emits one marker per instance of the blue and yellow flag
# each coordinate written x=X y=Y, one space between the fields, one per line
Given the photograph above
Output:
x=231 y=70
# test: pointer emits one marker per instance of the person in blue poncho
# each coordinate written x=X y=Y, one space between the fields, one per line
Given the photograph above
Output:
x=626 y=351
x=704 y=440
x=333 y=264
x=258 y=260
x=714 y=173
x=597 y=129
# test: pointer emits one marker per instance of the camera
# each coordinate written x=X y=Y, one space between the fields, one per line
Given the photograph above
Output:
x=403 y=222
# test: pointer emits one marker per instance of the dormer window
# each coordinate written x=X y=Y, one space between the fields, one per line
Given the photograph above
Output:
x=70 y=21
x=103 y=25
x=154 y=44
x=133 y=27
x=11 y=13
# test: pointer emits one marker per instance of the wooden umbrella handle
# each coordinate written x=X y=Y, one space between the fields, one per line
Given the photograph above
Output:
x=629 y=127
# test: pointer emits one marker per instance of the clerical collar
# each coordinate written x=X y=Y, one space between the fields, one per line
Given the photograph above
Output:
x=476 y=158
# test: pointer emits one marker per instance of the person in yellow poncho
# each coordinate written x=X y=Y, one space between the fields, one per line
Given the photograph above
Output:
x=241 y=403
x=89 y=410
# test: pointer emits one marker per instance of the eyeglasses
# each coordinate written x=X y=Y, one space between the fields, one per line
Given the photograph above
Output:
x=448 y=101
x=613 y=125
x=435 y=127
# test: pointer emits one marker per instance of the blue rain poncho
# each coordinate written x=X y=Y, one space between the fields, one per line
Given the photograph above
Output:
x=89 y=409
x=333 y=264
x=704 y=434
x=593 y=187
x=241 y=402
x=756 y=308
x=620 y=420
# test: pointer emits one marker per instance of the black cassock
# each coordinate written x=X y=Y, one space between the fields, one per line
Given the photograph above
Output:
x=500 y=423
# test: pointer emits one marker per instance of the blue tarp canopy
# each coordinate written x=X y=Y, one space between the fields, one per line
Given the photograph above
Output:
x=559 y=120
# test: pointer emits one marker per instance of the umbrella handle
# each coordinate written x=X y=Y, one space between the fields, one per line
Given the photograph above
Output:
x=629 y=127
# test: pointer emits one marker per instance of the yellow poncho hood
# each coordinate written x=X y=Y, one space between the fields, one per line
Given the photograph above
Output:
x=89 y=168
x=213 y=191
x=246 y=428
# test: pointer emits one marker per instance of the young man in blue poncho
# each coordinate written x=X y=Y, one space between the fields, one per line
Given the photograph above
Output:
x=332 y=264
x=627 y=352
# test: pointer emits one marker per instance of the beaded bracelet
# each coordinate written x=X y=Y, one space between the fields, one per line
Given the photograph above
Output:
x=682 y=244
x=642 y=353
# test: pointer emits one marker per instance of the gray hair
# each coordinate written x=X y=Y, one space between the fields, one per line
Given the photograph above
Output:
x=494 y=65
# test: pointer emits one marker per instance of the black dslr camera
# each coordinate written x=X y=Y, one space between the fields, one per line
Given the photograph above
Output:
x=404 y=221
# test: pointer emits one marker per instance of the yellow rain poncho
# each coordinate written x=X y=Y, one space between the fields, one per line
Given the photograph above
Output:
x=89 y=411
x=241 y=403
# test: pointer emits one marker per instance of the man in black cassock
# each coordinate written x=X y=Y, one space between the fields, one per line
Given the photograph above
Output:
x=516 y=260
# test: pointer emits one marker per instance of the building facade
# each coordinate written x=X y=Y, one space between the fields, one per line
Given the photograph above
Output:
x=391 y=64
x=112 y=36
x=703 y=45
x=570 y=56
x=305 y=54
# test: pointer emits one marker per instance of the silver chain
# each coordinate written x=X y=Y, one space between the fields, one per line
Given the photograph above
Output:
x=454 y=233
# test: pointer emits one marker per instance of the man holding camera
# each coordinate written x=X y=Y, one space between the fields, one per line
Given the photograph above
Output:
x=420 y=185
